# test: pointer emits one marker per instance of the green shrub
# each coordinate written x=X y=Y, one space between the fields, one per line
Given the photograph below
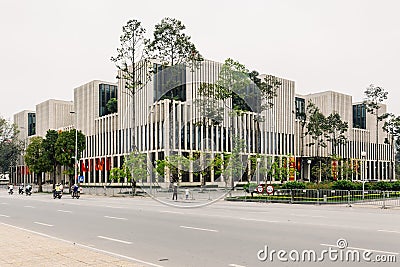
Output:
x=382 y=185
x=396 y=186
x=293 y=185
x=343 y=185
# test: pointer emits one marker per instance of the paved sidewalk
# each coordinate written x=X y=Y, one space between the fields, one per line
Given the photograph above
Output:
x=23 y=248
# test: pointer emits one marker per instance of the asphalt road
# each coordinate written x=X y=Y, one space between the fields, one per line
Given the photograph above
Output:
x=221 y=234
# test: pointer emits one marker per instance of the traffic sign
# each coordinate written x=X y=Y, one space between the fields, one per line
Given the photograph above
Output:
x=270 y=189
x=260 y=189
x=81 y=178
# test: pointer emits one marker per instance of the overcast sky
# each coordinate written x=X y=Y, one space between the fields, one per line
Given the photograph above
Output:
x=49 y=47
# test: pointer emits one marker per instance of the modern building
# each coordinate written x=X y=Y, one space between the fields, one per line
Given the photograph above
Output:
x=168 y=116
x=51 y=114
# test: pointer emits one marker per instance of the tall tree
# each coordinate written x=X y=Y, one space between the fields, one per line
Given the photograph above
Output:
x=10 y=146
x=49 y=152
x=35 y=159
x=375 y=95
x=65 y=150
x=316 y=130
x=392 y=127
x=170 y=45
x=301 y=117
x=335 y=131
x=132 y=64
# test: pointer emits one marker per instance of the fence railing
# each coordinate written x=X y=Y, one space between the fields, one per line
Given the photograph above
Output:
x=326 y=196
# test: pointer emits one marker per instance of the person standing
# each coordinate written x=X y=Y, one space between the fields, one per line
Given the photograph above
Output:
x=175 y=192
x=187 y=193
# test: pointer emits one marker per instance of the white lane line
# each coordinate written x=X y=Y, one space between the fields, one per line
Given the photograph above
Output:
x=29 y=207
x=258 y=220
x=169 y=211
x=116 y=218
x=235 y=265
x=66 y=211
x=200 y=229
x=365 y=249
x=309 y=216
x=84 y=246
x=113 y=239
x=388 y=231
x=2 y=215
x=114 y=207
x=4 y=203
x=45 y=224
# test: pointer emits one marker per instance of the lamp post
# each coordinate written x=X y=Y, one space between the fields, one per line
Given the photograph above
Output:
x=76 y=147
x=309 y=170
x=258 y=170
x=363 y=156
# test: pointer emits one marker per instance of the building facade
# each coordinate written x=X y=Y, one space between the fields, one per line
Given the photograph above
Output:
x=168 y=116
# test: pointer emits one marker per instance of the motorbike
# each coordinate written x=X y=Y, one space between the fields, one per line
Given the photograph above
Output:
x=10 y=191
x=28 y=191
x=57 y=194
x=20 y=190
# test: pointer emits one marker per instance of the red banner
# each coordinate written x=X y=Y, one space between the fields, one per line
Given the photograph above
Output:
x=335 y=169
x=292 y=168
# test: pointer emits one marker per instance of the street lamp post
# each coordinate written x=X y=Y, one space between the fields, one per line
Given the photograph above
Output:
x=363 y=156
x=258 y=170
x=76 y=147
x=309 y=170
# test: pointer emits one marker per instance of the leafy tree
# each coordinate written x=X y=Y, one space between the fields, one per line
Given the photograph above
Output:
x=116 y=174
x=35 y=159
x=112 y=105
x=170 y=45
x=49 y=152
x=316 y=130
x=137 y=165
x=234 y=166
x=132 y=62
x=10 y=146
x=302 y=117
x=65 y=150
x=335 y=130
x=392 y=127
x=375 y=96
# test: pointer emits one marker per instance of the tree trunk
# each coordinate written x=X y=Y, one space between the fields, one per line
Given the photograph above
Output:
x=40 y=183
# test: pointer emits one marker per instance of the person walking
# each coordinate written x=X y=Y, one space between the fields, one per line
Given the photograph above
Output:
x=175 y=192
x=187 y=193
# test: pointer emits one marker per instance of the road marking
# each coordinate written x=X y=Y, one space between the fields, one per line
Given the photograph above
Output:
x=258 y=220
x=388 y=231
x=84 y=246
x=4 y=203
x=2 y=215
x=200 y=229
x=113 y=239
x=29 y=207
x=236 y=265
x=113 y=207
x=66 y=211
x=365 y=249
x=169 y=211
x=116 y=218
x=45 y=224
x=302 y=215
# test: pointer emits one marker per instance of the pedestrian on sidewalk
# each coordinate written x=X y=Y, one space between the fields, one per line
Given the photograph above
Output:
x=187 y=193
x=175 y=192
